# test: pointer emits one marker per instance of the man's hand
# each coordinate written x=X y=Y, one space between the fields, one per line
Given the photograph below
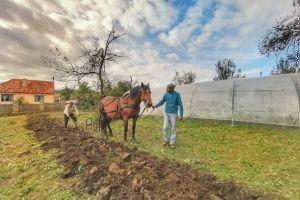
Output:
x=180 y=118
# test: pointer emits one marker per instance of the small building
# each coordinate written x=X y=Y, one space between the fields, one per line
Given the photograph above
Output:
x=26 y=91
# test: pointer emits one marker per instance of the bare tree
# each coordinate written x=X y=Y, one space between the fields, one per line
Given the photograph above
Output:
x=93 y=60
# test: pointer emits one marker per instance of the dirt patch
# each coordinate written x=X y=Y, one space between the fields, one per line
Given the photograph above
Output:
x=110 y=170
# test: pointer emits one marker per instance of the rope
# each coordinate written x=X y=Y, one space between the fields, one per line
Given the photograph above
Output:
x=144 y=111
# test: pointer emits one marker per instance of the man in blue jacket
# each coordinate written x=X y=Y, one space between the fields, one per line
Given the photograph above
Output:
x=173 y=101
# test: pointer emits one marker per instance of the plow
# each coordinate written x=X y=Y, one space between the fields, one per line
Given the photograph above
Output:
x=95 y=123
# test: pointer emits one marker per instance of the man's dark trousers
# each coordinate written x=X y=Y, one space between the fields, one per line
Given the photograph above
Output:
x=73 y=117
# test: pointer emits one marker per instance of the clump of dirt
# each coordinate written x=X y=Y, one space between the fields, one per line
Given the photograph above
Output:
x=112 y=171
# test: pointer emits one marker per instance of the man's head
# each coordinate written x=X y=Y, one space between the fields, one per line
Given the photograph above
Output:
x=71 y=103
x=170 y=87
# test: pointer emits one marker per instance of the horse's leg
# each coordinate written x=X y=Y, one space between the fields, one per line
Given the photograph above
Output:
x=105 y=131
x=134 y=120
x=125 y=122
x=104 y=125
x=109 y=128
x=101 y=121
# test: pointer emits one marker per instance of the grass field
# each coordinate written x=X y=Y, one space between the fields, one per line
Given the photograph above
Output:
x=265 y=159
x=26 y=172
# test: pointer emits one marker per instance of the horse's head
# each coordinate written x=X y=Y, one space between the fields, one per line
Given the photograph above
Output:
x=146 y=94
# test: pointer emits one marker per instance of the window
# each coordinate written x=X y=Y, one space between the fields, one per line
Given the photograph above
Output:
x=39 y=98
x=7 y=97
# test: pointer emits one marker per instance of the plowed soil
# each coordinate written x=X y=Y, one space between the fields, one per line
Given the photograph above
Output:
x=109 y=170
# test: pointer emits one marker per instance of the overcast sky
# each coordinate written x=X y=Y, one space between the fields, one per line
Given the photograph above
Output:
x=164 y=36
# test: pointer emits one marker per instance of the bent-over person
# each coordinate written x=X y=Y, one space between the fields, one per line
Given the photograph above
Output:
x=69 y=112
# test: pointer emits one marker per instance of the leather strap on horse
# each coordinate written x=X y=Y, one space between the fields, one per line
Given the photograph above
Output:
x=120 y=108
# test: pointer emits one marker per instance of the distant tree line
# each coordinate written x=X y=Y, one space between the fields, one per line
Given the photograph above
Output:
x=88 y=98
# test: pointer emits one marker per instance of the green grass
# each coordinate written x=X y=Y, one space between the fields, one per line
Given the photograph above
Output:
x=26 y=172
x=264 y=158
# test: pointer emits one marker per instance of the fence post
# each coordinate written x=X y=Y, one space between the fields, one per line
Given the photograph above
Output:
x=232 y=103
x=41 y=106
x=15 y=107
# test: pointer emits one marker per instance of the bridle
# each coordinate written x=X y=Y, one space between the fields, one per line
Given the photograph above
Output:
x=147 y=98
x=145 y=102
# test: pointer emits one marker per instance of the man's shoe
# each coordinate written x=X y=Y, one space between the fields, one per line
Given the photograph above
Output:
x=166 y=144
x=172 y=146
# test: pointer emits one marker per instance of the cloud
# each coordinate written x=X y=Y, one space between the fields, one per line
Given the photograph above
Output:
x=162 y=37
x=20 y=15
x=239 y=23
x=30 y=28
x=139 y=16
x=172 y=57
x=147 y=65
x=183 y=31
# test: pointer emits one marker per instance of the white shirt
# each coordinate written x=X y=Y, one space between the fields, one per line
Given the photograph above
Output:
x=70 y=110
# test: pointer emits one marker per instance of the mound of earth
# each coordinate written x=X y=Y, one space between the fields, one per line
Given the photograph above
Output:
x=110 y=170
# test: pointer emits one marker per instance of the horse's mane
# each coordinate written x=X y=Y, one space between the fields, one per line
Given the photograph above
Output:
x=134 y=92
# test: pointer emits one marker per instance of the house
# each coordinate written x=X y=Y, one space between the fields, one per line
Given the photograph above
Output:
x=27 y=91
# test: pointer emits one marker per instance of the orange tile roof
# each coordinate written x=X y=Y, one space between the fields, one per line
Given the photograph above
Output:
x=27 y=86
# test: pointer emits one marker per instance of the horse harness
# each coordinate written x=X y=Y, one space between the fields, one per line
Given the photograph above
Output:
x=119 y=107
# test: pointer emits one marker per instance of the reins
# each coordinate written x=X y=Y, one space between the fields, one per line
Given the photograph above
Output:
x=144 y=111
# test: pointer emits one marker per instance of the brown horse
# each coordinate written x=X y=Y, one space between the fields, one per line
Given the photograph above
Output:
x=125 y=108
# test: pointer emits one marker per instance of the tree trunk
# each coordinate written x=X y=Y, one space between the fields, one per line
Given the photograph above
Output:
x=101 y=86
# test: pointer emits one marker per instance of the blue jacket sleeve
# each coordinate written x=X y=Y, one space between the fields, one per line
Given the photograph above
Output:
x=180 y=105
x=161 y=102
